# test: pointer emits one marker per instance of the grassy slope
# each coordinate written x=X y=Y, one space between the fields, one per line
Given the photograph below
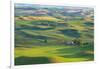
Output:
x=56 y=53
x=51 y=53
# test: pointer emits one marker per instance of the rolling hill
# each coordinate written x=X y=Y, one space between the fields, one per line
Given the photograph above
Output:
x=53 y=34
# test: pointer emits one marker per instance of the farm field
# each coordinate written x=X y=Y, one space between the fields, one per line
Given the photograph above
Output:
x=53 y=34
x=52 y=54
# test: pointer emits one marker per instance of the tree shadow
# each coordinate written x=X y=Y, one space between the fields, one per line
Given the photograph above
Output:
x=31 y=60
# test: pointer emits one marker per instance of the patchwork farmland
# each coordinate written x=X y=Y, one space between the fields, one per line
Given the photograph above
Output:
x=53 y=34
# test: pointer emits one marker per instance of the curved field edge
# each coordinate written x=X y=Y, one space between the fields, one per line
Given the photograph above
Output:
x=52 y=54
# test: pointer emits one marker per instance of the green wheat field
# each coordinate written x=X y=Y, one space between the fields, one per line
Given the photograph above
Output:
x=53 y=34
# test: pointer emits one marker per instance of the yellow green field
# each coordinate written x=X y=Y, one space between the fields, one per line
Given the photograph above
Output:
x=53 y=54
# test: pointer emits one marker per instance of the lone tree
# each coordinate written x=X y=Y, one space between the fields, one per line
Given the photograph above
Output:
x=45 y=40
x=77 y=42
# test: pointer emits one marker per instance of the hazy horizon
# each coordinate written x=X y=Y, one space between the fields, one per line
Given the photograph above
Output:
x=57 y=5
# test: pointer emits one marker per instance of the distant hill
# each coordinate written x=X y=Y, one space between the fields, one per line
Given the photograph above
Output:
x=52 y=25
x=35 y=9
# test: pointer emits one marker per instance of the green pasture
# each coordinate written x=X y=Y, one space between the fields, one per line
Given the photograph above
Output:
x=53 y=54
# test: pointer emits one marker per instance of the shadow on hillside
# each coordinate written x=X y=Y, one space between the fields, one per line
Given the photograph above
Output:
x=89 y=24
x=31 y=60
x=88 y=57
x=71 y=32
x=77 y=53
x=32 y=28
